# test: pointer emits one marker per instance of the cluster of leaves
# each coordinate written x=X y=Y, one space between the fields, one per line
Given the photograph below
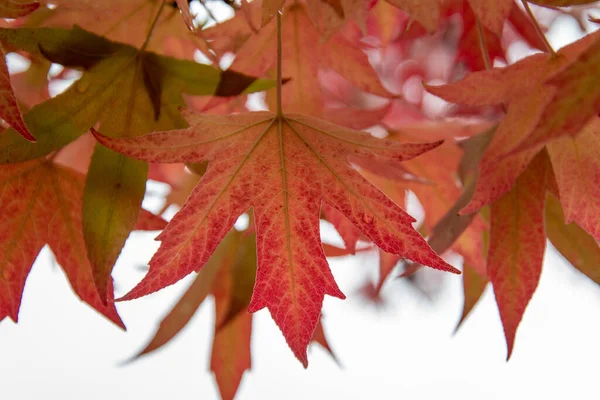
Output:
x=510 y=163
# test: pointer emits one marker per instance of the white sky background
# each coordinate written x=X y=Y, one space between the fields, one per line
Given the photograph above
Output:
x=61 y=349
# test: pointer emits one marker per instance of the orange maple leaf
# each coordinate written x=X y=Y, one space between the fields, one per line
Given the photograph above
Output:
x=517 y=244
x=284 y=167
x=531 y=98
x=304 y=56
x=229 y=276
x=41 y=203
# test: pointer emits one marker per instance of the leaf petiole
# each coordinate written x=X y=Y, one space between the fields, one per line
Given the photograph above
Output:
x=537 y=28
x=279 y=62
x=153 y=26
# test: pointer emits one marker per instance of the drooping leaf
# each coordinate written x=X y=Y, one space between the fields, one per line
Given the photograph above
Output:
x=320 y=338
x=575 y=245
x=527 y=101
x=17 y=8
x=232 y=290
x=110 y=70
x=575 y=102
x=517 y=244
x=114 y=190
x=473 y=287
x=41 y=203
x=350 y=235
x=194 y=296
x=9 y=109
x=577 y=171
x=122 y=89
x=284 y=168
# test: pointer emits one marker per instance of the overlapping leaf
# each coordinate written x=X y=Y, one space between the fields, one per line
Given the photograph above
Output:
x=577 y=170
x=576 y=245
x=528 y=101
x=123 y=21
x=304 y=56
x=229 y=275
x=122 y=88
x=284 y=168
x=41 y=203
x=517 y=244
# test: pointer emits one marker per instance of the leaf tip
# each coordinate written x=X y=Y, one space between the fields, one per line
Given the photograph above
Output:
x=98 y=136
x=24 y=132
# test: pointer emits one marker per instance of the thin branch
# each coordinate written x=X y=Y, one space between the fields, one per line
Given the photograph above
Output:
x=279 y=62
x=152 y=26
x=209 y=12
x=483 y=46
x=538 y=28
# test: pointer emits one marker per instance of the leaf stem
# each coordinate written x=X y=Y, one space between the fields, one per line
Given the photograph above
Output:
x=538 y=28
x=483 y=46
x=279 y=62
x=152 y=26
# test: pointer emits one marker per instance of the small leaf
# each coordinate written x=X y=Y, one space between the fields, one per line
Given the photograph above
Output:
x=473 y=287
x=17 y=8
x=9 y=109
x=194 y=296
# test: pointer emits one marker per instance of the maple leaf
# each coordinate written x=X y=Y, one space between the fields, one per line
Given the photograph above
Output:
x=17 y=8
x=232 y=290
x=154 y=85
x=575 y=101
x=517 y=244
x=304 y=56
x=528 y=100
x=440 y=197
x=473 y=287
x=124 y=21
x=229 y=275
x=27 y=223
x=577 y=169
x=283 y=167
x=576 y=245
x=153 y=89
x=9 y=109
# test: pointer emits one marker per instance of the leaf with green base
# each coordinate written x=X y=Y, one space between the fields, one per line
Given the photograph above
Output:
x=121 y=87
